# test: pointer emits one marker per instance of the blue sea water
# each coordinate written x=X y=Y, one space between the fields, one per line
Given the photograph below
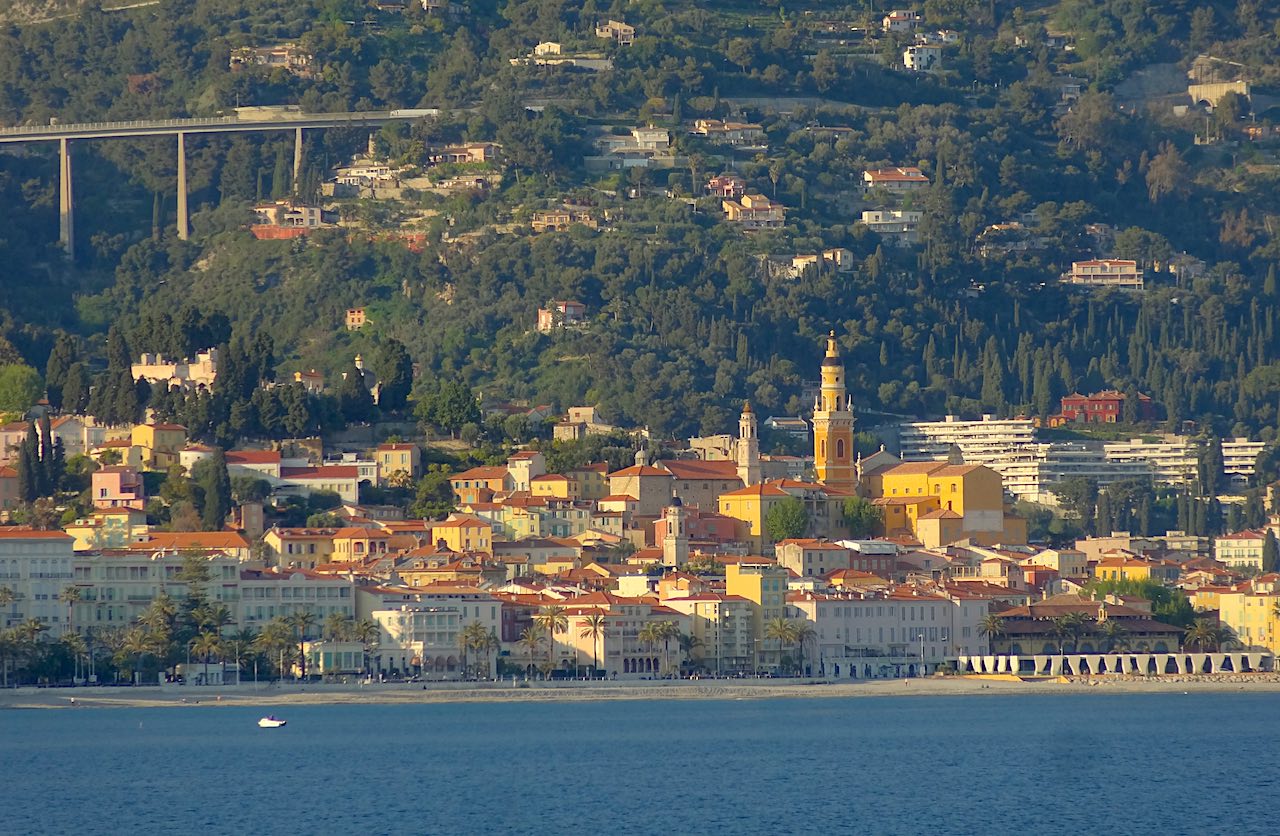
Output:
x=1129 y=764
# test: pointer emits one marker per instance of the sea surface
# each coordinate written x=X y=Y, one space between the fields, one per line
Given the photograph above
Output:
x=1166 y=763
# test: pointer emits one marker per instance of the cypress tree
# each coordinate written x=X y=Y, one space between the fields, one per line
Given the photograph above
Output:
x=216 y=483
x=61 y=359
x=28 y=470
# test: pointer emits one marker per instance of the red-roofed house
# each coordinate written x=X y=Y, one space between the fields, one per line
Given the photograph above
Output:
x=462 y=533
x=256 y=463
x=479 y=484
x=344 y=480
x=649 y=486
x=812 y=558
x=902 y=179
x=8 y=488
x=117 y=486
x=699 y=483
x=228 y=542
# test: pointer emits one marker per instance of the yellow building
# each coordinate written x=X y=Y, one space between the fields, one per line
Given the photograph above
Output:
x=554 y=485
x=751 y=506
x=398 y=463
x=464 y=534
x=911 y=492
x=159 y=444
x=765 y=586
x=1250 y=611
x=592 y=479
x=833 y=425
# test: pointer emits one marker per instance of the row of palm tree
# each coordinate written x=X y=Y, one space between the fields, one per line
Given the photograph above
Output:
x=1204 y=634
x=660 y=633
x=476 y=638
x=788 y=633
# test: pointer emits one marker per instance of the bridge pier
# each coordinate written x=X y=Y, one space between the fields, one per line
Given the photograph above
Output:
x=297 y=159
x=184 y=230
x=66 y=218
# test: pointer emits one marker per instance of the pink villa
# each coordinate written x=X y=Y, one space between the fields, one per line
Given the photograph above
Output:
x=118 y=486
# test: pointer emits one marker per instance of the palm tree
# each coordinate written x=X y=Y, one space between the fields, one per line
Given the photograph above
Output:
x=804 y=635
x=530 y=640
x=31 y=630
x=689 y=643
x=212 y=617
x=665 y=632
x=991 y=627
x=8 y=648
x=72 y=595
x=1206 y=634
x=242 y=647
x=1113 y=634
x=137 y=643
x=472 y=637
x=595 y=628
x=367 y=633
x=75 y=645
x=337 y=627
x=274 y=639
x=552 y=620
x=160 y=614
x=204 y=646
x=649 y=635
x=782 y=631
x=302 y=621
x=7 y=597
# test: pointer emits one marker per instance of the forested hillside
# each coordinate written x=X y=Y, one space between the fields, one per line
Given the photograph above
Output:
x=685 y=321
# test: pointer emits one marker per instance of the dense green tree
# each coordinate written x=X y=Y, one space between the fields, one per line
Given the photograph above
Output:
x=20 y=388
x=861 y=517
x=395 y=375
x=211 y=474
x=785 y=520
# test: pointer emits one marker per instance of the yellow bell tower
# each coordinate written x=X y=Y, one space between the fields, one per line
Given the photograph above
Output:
x=833 y=425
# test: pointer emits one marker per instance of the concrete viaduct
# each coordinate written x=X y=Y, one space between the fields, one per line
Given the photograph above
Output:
x=282 y=121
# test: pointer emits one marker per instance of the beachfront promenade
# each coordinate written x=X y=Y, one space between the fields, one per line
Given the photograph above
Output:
x=1135 y=664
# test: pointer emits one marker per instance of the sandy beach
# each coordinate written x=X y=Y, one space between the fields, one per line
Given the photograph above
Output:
x=391 y=693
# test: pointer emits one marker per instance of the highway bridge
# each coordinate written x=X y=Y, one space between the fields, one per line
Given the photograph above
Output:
x=244 y=120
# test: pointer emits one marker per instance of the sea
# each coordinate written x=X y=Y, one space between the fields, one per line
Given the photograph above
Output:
x=1125 y=763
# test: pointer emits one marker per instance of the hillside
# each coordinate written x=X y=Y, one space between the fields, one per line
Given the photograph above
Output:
x=1031 y=161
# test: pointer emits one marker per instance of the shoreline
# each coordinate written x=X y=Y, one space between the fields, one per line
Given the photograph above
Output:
x=440 y=693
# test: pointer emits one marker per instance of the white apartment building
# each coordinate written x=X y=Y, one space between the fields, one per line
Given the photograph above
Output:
x=900 y=227
x=118 y=586
x=1174 y=460
x=265 y=594
x=35 y=566
x=1238 y=458
x=981 y=442
x=889 y=635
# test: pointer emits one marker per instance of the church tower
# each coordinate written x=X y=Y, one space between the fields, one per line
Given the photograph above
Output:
x=746 y=453
x=833 y=425
x=675 y=544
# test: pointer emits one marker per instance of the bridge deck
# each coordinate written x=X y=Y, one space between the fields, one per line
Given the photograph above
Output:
x=209 y=124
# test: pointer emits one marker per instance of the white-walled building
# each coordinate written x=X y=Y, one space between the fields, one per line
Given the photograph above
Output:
x=867 y=636
x=36 y=567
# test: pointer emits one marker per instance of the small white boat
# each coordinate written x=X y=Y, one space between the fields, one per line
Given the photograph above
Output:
x=271 y=722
